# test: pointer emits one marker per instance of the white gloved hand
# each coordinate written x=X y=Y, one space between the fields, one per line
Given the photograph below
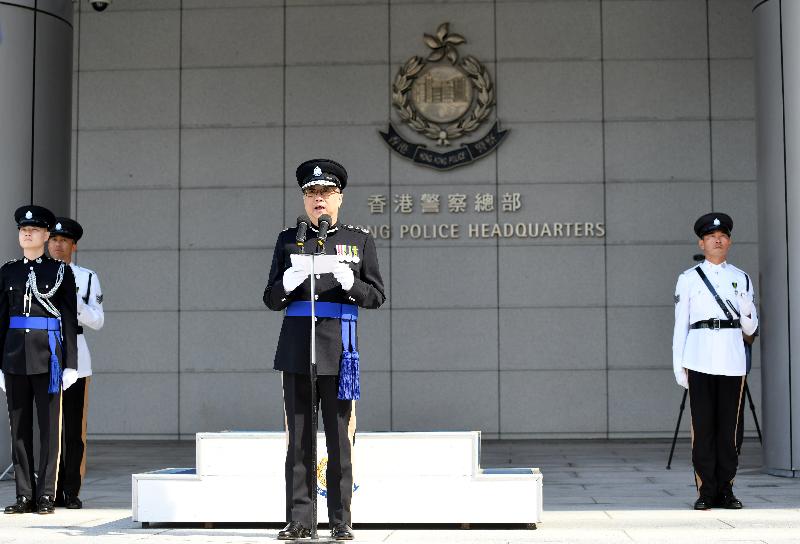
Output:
x=344 y=275
x=69 y=377
x=2 y=381
x=682 y=378
x=746 y=306
x=293 y=277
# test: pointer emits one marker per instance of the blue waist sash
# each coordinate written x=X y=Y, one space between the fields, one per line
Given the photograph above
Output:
x=349 y=366
x=53 y=327
x=347 y=312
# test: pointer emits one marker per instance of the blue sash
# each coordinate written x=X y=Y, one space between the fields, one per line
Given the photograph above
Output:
x=53 y=327
x=349 y=383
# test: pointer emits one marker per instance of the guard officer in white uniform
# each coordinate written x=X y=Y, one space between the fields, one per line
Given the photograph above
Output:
x=38 y=328
x=355 y=282
x=714 y=306
x=75 y=402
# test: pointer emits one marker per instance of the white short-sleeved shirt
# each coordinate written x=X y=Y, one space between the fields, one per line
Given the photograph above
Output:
x=719 y=352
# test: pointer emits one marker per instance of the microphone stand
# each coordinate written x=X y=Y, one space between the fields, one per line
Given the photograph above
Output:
x=312 y=374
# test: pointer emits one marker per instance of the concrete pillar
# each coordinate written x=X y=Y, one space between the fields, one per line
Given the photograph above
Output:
x=777 y=44
x=36 y=110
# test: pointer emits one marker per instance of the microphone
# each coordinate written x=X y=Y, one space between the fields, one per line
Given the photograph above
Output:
x=324 y=224
x=302 y=228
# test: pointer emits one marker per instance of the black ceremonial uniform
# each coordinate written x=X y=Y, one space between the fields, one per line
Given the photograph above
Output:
x=293 y=356
x=26 y=366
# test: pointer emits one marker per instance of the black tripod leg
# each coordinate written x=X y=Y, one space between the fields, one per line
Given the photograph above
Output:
x=753 y=410
x=677 y=427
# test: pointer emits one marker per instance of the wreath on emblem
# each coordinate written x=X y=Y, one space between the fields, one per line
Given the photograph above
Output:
x=444 y=45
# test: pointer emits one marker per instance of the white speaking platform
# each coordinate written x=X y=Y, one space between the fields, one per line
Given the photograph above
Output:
x=430 y=477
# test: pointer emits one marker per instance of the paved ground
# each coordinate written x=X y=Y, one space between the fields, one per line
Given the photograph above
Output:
x=594 y=491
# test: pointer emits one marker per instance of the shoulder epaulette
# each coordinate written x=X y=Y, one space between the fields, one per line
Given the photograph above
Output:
x=356 y=228
x=10 y=261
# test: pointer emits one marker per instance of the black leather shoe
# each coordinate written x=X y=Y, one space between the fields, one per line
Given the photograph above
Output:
x=703 y=503
x=72 y=502
x=293 y=531
x=730 y=502
x=23 y=505
x=342 y=531
x=45 y=505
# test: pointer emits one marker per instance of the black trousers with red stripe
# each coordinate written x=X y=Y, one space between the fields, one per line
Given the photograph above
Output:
x=715 y=402
x=73 y=438
x=339 y=419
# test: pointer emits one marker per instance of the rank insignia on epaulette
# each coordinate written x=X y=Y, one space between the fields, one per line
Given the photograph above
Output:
x=677 y=298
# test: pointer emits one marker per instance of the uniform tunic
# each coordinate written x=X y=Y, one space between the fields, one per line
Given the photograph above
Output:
x=26 y=365
x=294 y=351
x=719 y=352
x=28 y=352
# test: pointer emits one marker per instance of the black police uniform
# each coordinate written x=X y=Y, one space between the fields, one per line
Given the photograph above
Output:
x=293 y=356
x=26 y=367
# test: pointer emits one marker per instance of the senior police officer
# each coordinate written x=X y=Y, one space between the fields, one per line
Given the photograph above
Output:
x=355 y=281
x=714 y=306
x=38 y=330
x=62 y=245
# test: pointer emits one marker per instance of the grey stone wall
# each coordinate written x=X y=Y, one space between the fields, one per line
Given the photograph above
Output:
x=191 y=116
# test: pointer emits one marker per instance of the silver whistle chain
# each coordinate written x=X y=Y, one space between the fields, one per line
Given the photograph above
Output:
x=44 y=298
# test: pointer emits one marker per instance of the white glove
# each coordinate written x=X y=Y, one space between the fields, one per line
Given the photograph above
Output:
x=746 y=306
x=69 y=377
x=682 y=378
x=293 y=277
x=344 y=275
x=2 y=381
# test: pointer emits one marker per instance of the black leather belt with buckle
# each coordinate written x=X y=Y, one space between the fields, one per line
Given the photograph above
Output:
x=716 y=324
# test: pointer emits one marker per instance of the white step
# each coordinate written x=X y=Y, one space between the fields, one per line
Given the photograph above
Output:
x=399 y=478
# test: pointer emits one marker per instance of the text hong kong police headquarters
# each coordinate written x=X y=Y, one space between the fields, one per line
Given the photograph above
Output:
x=459 y=203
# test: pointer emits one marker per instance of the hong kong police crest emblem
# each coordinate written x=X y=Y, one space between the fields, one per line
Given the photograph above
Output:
x=443 y=97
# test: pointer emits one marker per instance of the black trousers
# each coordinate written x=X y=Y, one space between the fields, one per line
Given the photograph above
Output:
x=72 y=467
x=22 y=391
x=339 y=419
x=716 y=402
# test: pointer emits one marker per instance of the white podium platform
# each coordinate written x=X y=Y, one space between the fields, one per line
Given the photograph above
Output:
x=432 y=477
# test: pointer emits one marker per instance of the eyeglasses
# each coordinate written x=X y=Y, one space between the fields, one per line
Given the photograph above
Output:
x=324 y=193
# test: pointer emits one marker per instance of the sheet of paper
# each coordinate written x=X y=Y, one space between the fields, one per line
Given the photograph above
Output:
x=322 y=263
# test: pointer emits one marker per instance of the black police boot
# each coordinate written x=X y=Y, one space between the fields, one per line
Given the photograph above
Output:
x=703 y=503
x=23 y=505
x=342 y=531
x=45 y=505
x=293 y=531
x=730 y=502
x=72 y=502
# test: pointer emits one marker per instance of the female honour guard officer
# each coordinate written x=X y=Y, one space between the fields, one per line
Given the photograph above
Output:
x=355 y=282
x=62 y=244
x=713 y=307
x=38 y=329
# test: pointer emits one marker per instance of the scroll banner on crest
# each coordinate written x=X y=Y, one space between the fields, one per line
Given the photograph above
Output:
x=466 y=154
